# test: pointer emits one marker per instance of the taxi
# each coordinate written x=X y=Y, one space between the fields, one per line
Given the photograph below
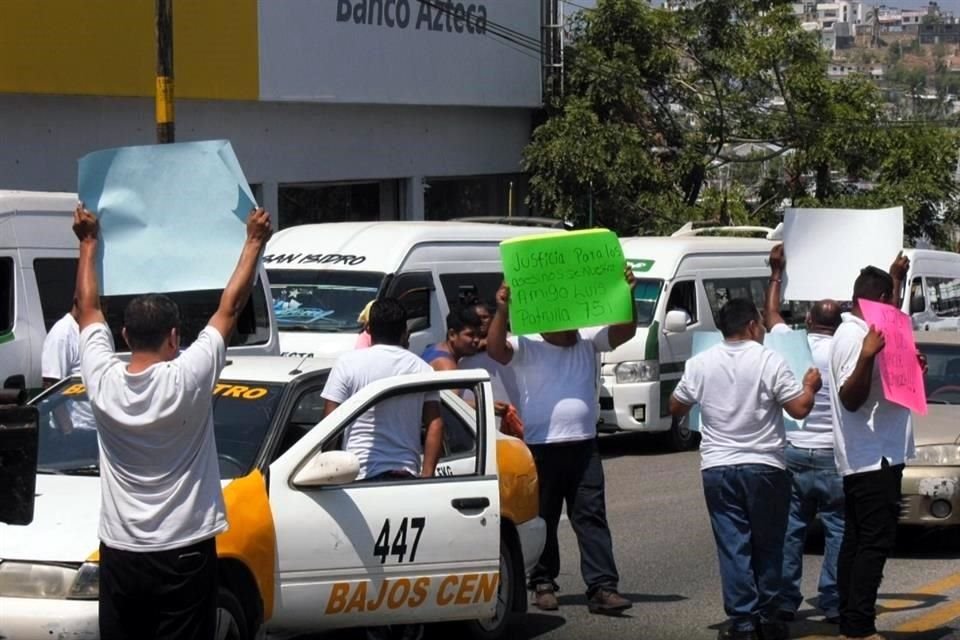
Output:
x=308 y=548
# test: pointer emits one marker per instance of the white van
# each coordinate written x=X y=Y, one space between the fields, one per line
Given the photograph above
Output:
x=934 y=292
x=322 y=276
x=38 y=266
x=682 y=283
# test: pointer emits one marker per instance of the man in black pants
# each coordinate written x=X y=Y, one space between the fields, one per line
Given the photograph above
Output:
x=873 y=438
x=557 y=379
x=161 y=503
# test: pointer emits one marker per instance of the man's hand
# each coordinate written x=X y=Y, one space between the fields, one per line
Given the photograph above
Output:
x=259 y=227
x=900 y=267
x=778 y=261
x=873 y=343
x=85 y=224
x=500 y=408
x=812 y=379
x=629 y=277
x=503 y=297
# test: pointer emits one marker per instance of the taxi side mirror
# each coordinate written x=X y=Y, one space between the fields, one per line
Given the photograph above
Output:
x=328 y=468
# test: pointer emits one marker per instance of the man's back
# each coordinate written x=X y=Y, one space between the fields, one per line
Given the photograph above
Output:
x=159 y=473
x=386 y=437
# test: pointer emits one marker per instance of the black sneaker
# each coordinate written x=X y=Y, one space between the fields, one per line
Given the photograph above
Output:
x=607 y=602
x=730 y=634
x=774 y=631
x=785 y=615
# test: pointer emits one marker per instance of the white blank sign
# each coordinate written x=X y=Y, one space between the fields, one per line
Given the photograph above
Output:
x=827 y=248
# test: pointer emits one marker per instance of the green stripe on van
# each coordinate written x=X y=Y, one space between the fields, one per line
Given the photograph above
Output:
x=6 y=337
x=651 y=350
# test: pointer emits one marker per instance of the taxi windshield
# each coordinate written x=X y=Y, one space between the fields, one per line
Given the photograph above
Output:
x=242 y=413
x=321 y=300
x=645 y=298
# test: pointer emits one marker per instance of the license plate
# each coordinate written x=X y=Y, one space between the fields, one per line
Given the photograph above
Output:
x=938 y=487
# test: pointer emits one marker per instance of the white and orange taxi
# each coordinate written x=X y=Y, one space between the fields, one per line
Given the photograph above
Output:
x=309 y=548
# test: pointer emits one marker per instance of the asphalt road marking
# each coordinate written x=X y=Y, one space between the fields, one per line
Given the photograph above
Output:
x=930 y=619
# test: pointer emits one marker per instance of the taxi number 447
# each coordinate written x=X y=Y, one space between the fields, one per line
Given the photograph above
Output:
x=383 y=547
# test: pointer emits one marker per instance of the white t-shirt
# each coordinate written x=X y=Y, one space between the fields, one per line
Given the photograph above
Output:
x=386 y=437
x=879 y=429
x=60 y=356
x=503 y=378
x=817 y=431
x=741 y=388
x=558 y=386
x=159 y=477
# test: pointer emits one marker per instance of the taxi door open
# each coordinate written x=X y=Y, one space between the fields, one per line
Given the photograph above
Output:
x=355 y=553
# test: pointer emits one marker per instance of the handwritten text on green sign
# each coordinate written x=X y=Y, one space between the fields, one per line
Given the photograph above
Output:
x=566 y=281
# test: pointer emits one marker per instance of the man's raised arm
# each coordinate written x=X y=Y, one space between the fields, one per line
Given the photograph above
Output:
x=498 y=347
x=237 y=291
x=87 y=229
x=771 y=305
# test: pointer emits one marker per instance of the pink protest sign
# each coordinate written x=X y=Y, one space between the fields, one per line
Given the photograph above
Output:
x=899 y=370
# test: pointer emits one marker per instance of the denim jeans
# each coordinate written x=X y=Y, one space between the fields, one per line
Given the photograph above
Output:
x=817 y=488
x=748 y=506
x=572 y=473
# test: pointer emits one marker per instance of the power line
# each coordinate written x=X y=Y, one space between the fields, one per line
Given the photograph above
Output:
x=493 y=29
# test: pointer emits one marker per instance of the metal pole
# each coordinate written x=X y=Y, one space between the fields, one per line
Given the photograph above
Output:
x=164 y=110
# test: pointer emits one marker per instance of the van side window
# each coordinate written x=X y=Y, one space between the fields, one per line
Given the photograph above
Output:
x=683 y=297
x=457 y=286
x=917 y=301
x=7 y=296
x=56 y=280
x=944 y=296
x=722 y=290
x=413 y=291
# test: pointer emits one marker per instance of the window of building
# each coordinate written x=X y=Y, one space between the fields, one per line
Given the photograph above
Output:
x=307 y=204
x=468 y=196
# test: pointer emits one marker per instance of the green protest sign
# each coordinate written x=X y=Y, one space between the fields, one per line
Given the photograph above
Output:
x=562 y=281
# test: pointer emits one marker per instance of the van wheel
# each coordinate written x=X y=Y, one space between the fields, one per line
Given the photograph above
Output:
x=231 y=620
x=501 y=625
x=680 y=437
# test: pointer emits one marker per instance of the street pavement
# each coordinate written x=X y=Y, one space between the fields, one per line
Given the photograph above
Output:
x=668 y=567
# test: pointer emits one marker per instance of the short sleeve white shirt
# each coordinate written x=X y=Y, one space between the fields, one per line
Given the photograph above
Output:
x=503 y=378
x=741 y=388
x=817 y=431
x=159 y=477
x=60 y=357
x=879 y=429
x=386 y=437
x=558 y=386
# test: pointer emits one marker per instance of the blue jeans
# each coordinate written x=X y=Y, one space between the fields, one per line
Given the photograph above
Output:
x=748 y=506
x=817 y=488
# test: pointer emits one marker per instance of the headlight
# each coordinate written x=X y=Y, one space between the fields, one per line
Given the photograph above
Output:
x=28 y=580
x=936 y=455
x=640 y=371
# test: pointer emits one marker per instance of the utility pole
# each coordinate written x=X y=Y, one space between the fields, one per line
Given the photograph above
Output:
x=165 y=118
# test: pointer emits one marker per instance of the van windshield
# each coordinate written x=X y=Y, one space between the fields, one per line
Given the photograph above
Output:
x=321 y=300
x=645 y=298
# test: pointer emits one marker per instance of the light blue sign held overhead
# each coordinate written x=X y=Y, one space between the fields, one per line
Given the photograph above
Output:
x=172 y=217
x=793 y=346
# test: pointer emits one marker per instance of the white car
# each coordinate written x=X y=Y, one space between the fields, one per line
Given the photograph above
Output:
x=308 y=548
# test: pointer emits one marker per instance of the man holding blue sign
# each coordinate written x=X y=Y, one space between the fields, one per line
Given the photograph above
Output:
x=742 y=389
x=816 y=485
x=557 y=378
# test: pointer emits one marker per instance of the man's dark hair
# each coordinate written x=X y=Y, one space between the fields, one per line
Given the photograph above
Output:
x=461 y=318
x=873 y=284
x=387 y=322
x=736 y=315
x=826 y=314
x=148 y=320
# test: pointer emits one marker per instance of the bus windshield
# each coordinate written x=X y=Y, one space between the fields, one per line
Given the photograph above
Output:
x=320 y=300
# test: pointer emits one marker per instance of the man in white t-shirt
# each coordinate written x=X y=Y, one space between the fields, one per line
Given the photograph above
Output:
x=387 y=438
x=873 y=440
x=161 y=503
x=557 y=381
x=742 y=389
x=59 y=359
x=816 y=487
